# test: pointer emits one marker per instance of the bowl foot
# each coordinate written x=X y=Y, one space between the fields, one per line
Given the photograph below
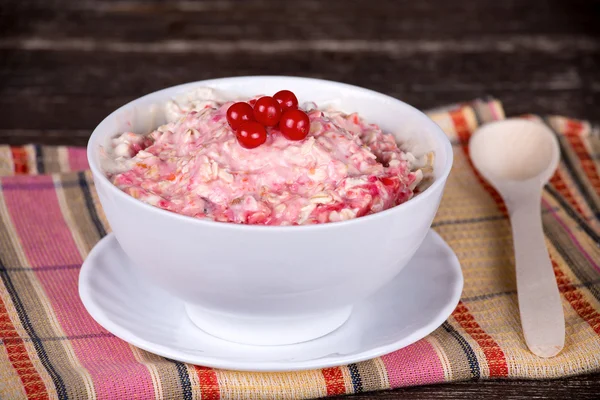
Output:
x=267 y=331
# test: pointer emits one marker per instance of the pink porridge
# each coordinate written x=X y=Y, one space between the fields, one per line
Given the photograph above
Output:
x=194 y=165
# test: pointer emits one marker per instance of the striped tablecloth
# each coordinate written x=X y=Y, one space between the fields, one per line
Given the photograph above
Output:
x=51 y=348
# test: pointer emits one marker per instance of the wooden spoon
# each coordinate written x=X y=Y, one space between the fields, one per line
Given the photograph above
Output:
x=518 y=157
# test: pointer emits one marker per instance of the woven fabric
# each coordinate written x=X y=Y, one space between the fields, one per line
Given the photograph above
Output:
x=50 y=218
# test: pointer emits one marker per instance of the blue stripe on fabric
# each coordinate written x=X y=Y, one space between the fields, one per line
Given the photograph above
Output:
x=471 y=357
x=356 y=379
x=89 y=202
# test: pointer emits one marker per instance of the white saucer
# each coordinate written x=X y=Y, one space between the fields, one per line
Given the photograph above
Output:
x=410 y=307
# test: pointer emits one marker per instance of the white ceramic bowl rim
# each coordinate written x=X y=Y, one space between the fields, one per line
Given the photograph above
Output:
x=440 y=136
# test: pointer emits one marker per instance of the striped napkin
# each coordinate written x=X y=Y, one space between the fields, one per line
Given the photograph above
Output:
x=50 y=347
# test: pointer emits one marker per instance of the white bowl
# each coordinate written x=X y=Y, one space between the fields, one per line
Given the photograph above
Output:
x=273 y=284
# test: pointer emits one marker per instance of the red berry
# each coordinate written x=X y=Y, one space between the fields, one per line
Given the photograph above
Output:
x=238 y=113
x=294 y=124
x=251 y=134
x=267 y=111
x=286 y=99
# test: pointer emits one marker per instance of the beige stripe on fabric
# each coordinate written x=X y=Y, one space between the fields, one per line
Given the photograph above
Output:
x=373 y=375
x=445 y=122
x=7 y=166
x=62 y=155
x=149 y=362
x=51 y=160
x=74 y=213
x=441 y=354
x=459 y=368
x=73 y=206
x=31 y=159
x=348 y=386
x=77 y=381
x=283 y=385
x=165 y=377
x=483 y=365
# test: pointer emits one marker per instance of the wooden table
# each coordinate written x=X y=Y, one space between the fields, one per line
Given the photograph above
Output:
x=64 y=65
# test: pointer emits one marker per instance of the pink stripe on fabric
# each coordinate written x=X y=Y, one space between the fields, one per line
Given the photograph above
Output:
x=417 y=364
x=47 y=241
x=571 y=235
x=494 y=110
x=77 y=158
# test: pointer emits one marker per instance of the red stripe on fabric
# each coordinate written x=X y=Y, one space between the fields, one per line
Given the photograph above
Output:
x=20 y=160
x=574 y=296
x=334 y=381
x=574 y=127
x=494 y=355
x=464 y=134
x=559 y=184
x=19 y=358
x=573 y=135
x=209 y=384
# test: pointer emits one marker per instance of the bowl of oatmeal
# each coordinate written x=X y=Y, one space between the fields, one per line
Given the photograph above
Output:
x=268 y=234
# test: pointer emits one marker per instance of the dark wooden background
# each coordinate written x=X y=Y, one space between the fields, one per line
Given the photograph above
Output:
x=64 y=65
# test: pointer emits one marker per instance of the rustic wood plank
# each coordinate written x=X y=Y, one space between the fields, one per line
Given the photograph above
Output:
x=55 y=137
x=109 y=74
x=392 y=48
x=580 y=388
x=71 y=90
x=310 y=19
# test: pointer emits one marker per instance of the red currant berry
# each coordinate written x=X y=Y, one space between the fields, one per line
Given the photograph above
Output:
x=251 y=134
x=286 y=99
x=294 y=124
x=267 y=111
x=238 y=113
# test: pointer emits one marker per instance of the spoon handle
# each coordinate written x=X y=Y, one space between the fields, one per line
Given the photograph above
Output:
x=540 y=306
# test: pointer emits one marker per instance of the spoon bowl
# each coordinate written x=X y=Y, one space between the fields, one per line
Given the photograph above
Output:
x=518 y=157
x=515 y=150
